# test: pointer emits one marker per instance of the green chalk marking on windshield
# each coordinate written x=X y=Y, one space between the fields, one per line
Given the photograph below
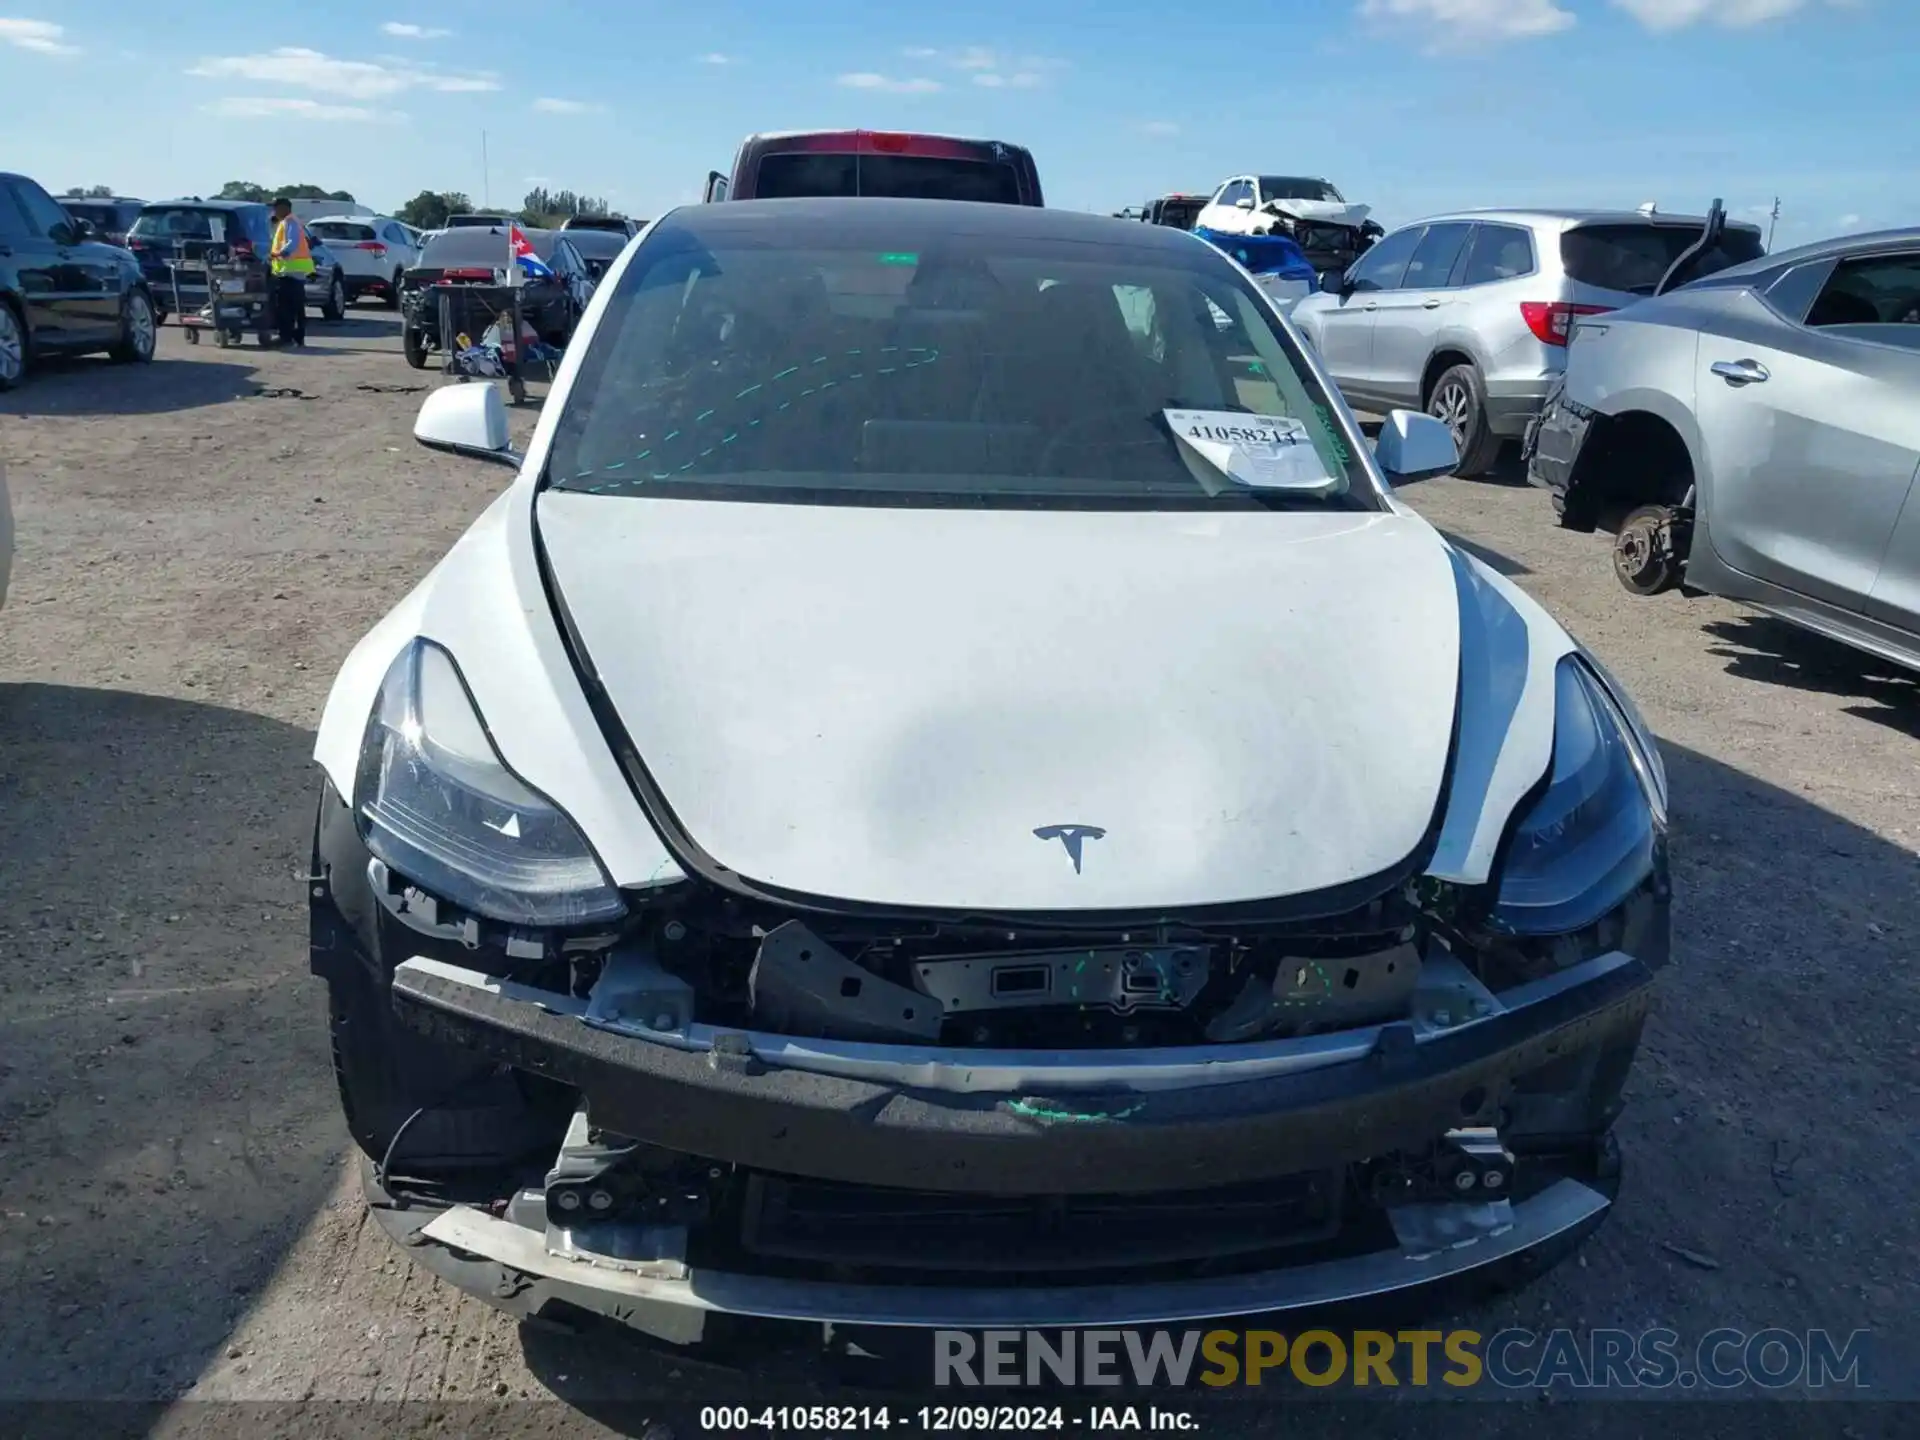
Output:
x=899 y=257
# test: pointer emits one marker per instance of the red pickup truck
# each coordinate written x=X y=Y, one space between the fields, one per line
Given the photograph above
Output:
x=873 y=162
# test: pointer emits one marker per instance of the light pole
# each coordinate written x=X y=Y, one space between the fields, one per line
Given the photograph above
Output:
x=1773 y=220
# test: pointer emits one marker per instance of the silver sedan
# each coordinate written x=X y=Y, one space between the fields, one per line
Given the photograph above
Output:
x=1756 y=435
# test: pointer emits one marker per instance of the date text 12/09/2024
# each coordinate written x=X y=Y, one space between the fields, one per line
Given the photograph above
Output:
x=941 y=1419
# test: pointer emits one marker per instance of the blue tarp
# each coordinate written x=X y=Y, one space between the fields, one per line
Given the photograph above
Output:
x=1274 y=255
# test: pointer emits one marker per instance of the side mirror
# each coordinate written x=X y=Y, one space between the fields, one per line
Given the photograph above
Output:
x=467 y=420
x=81 y=230
x=1334 y=282
x=1412 y=447
x=1245 y=202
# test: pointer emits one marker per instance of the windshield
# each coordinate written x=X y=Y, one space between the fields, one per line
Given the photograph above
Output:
x=183 y=222
x=101 y=214
x=916 y=363
x=1633 y=258
x=1294 y=187
x=346 y=231
x=920 y=177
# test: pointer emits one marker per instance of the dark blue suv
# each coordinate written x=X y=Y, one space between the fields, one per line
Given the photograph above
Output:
x=169 y=230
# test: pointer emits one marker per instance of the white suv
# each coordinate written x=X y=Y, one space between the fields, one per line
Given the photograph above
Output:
x=374 y=251
x=1466 y=316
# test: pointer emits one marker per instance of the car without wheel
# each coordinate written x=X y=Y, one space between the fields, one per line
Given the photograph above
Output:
x=1756 y=435
x=62 y=291
x=1466 y=316
x=863 y=829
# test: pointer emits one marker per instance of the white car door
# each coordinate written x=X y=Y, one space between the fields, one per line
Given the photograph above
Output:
x=1812 y=438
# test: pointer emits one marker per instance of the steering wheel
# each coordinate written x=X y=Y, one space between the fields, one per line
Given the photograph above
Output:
x=1064 y=437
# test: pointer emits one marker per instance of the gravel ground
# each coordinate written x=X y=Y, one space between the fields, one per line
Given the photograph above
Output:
x=199 y=544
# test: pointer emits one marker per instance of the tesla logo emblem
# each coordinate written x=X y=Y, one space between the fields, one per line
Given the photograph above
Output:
x=1071 y=836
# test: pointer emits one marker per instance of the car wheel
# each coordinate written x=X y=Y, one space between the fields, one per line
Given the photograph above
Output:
x=1459 y=401
x=414 y=342
x=138 y=330
x=393 y=291
x=13 y=347
x=335 y=305
x=1646 y=553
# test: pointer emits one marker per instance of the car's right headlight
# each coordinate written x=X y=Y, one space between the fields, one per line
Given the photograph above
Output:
x=434 y=800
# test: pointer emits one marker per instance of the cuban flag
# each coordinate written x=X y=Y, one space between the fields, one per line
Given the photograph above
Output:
x=523 y=251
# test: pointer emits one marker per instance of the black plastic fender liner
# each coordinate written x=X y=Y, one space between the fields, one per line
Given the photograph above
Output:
x=731 y=1107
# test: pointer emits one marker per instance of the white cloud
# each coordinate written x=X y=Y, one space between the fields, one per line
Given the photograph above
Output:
x=867 y=80
x=1663 y=15
x=41 y=36
x=991 y=69
x=1460 y=23
x=1848 y=222
x=714 y=57
x=354 y=79
x=261 y=107
x=404 y=31
x=1159 y=127
x=547 y=105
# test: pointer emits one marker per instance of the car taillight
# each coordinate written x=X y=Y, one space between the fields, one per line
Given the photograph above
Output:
x=470 y=273
x=1551 y=321
x=373 y=245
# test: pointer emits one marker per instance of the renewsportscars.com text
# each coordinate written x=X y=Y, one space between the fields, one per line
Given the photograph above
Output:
x=1656 y=1359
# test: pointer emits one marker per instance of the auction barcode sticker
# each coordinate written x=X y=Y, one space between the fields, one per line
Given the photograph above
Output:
x=1263 y=451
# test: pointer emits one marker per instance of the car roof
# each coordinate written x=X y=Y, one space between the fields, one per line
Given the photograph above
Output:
x=1873 y=240
x=352 y=219
x=1565 y=219
x=194 y=202
x=867 y=214
x=826 y=130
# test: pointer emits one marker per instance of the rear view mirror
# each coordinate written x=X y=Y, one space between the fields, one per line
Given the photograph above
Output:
x=467 y=420
x=1414 y=447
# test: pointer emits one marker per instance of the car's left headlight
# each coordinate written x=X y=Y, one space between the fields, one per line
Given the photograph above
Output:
x=435 y=801
x=1593 y=835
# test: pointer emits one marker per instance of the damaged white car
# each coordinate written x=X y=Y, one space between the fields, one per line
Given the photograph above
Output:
x=1307 y=210
x=949 y=792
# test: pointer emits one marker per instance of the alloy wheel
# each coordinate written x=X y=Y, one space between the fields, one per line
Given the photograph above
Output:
x=140 y=325
x=1452 y=406
x=13 y=348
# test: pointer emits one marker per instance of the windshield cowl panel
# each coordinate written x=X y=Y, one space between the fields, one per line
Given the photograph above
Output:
x=910 y=363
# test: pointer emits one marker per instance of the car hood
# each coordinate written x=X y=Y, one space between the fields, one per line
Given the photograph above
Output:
x=899 y=706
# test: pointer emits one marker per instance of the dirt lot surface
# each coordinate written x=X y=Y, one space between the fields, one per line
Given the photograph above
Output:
x=199 y=544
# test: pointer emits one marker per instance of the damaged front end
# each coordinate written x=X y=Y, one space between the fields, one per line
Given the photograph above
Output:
x=1332 y=236
x=958 y=1121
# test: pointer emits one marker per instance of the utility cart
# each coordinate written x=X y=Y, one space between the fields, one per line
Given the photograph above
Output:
x=468 y=310
x=236 y=296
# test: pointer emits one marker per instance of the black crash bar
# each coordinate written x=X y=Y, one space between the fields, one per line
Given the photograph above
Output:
x=736 y=1109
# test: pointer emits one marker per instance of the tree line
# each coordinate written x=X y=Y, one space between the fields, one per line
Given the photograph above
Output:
x=540 y=207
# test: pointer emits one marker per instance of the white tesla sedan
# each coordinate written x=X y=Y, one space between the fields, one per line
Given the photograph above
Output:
x=949 y=781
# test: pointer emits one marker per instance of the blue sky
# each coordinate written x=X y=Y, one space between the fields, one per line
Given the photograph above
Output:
x=1408 y=105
